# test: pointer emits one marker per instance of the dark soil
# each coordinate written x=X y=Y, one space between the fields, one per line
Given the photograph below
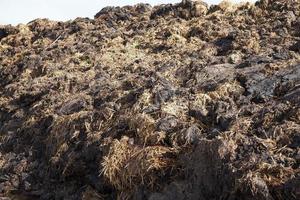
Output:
x=181 y=101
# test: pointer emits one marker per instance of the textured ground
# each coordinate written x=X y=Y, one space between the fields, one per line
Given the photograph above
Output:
x=177 y=101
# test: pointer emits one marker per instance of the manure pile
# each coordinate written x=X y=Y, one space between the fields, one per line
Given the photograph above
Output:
x=182 y=101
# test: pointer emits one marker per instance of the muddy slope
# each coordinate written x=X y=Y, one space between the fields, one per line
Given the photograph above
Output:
x=179 y=101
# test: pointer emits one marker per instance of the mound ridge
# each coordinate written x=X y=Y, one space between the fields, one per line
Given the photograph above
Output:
x=177 y=101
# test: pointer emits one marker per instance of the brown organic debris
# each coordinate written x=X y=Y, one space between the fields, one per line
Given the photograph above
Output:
x=177 y=101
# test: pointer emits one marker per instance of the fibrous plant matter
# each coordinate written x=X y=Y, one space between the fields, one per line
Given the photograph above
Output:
x=181 y=101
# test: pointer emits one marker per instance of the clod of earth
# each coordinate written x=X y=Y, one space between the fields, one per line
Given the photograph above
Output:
x=178 y=101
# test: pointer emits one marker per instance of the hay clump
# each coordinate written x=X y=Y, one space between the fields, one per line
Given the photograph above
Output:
x=127 y=166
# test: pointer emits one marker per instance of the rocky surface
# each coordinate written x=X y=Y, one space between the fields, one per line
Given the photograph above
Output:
x=181 y=101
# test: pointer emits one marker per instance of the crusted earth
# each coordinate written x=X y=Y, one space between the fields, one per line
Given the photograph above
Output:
x=180 y=101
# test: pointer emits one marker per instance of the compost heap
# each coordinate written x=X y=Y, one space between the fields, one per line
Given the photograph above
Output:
x=180 y=101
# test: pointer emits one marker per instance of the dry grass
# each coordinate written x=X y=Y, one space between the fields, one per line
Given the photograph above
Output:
x=144 y=125
x=178 y=108
x=275 y=175
x=226 y=90
x=127 y=165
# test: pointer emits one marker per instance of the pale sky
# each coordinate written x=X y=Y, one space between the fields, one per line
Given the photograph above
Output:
x=23 y=11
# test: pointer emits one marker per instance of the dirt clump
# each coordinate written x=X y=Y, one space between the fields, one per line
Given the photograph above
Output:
x=177 y=101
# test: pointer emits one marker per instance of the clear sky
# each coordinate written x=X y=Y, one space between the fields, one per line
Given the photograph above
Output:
x=23 y=11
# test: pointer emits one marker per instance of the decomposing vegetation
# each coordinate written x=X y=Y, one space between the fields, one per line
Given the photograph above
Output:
x=177 y=101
